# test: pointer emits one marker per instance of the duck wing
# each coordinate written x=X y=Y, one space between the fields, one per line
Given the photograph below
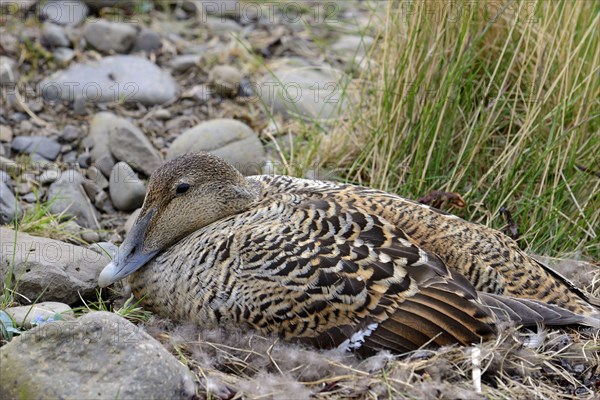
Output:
x=337 y=276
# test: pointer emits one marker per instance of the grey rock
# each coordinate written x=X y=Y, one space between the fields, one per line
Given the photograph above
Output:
x=49 y=269
x=5 y=178
x=64 y=12
x=230 y=139
x=49 y=176
x=39 y=161
x=225 y=80
x=126 y=189
x=91 y=188
x=70 y=133
x=68 y=198
x=83 y=160
x=8 y=71
x=185 y=62
x=29 y=197
x=25 y=126
x=100 y=127
x=102 y=356
x=222 y=26
x=35 y=105
x=41 y=145
x=63 y=55
x=162 y=114
x=9 y=207
x=109 y=36
x=6 y=133
x=105 y=163
x=90 y=236
x=128 y=143
x=311 y=92
x=55 y=36
x=18 y=116
x=103 y=203
x=70 y=227
x=24 y=315
x=125 y=78
x=147 y=41
x=79 y=106
x=23 y=188
x=96 y=176
x=9 y=42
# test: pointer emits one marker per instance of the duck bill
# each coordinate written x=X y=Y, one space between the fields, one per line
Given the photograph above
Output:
x=130 y=257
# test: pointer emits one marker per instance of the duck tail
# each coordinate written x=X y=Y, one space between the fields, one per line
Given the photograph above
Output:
x=529 y=312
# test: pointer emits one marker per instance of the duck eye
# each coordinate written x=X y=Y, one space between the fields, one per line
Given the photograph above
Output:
x=182 y=188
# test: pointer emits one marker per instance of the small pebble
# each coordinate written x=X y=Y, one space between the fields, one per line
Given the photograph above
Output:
x=6 y=133
x=90 y=236
x=70 y=133
x=49 y=176
x=29 y=197
x=84 y=160
x=70 y=157
x=225 y=80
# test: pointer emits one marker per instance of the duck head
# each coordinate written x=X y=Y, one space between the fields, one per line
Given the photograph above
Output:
x=184 y=195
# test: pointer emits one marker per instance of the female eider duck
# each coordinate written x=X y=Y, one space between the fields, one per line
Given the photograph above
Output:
x=330 y=264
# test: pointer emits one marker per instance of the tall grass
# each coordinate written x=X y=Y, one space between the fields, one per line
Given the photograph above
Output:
x=498 y=101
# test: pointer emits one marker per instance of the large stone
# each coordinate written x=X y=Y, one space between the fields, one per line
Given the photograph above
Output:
x=128 y=143
x=68 y=198
x=124 y=78
x=100 y=127
x=47 y=269
x=109 y=36
x=98 y=356
x=294 y=89
x=127 y=191
x=113 y=137
x=229 y=139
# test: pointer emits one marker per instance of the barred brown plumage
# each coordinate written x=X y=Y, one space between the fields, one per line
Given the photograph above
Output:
x=330 y=264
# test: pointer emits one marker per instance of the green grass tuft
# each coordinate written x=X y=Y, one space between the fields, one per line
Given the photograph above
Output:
x=499 y=105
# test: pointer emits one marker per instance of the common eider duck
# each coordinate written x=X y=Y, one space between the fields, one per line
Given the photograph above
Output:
x=331 y=264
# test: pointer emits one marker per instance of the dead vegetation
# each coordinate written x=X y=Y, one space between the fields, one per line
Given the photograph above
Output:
x=519 y=364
